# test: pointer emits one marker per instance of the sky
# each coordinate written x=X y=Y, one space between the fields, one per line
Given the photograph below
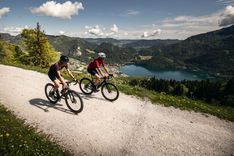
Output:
x=120 y=19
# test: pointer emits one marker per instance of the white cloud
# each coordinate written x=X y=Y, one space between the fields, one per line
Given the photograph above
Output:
x=145 y=34
x=157 y=32
x=102 y=31
x=226 y=2
x=182 y=26
x=152 y=34
x=131 y=13
x=185 y=26
x=227 y=16
x=114 y=28
x=64 y=11
x=113 y=31
x=192 y=20
x=87 y=27
x=61 y=32
x=109 y=34
x=4 y=11
x=14 y=30
x=96 y=30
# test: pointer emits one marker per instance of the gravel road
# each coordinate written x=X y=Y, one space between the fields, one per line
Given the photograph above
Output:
x=128 y=126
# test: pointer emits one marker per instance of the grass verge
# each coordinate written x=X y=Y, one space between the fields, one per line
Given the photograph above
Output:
x=16 y=138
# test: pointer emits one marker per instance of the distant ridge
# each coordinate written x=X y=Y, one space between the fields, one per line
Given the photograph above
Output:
x=212 y=51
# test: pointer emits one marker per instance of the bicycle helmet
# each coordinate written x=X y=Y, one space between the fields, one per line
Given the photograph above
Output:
x=64 y=59
x=102 y=55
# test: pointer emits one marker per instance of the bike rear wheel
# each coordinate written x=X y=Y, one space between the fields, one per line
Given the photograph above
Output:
x=110 y=92
x=74 y=101
x=52 y=96
x=86 y=86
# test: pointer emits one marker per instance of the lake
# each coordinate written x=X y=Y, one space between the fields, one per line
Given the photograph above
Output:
x=133 y=70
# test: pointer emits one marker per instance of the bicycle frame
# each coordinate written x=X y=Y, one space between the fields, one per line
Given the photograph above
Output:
x=66 y=89
x=103 y=81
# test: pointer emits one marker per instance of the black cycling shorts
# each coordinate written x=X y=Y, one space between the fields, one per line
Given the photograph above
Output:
x=92 y=71
x=52 y=76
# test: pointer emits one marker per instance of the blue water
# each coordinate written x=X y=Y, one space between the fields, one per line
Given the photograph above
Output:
x=133 y=70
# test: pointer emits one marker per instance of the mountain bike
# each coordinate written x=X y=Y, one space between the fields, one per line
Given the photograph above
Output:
x=72 y=98
x=109 y=91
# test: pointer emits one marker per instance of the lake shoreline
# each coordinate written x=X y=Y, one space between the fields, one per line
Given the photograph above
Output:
x=167 y=74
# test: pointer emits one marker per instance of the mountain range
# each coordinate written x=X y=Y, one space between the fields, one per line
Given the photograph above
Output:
x=212 y=51
x=118 y=51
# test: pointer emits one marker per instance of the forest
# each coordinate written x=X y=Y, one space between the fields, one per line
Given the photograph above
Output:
x=217 y=92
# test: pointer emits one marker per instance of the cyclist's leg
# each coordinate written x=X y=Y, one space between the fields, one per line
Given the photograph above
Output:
x=64 y=87
x=63 y=84
x=97 y=79
x=56 y=84
x=55 y=80
x=94 y=73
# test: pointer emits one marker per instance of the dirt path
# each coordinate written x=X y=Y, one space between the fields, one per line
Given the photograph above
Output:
x=128 y=126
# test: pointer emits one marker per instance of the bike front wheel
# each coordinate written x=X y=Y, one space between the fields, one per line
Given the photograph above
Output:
x=74 y=101
x=86 y=86
x=110 y=92
x=52 y=96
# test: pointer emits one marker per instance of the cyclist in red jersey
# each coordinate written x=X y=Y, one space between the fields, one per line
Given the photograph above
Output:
x=95 y=70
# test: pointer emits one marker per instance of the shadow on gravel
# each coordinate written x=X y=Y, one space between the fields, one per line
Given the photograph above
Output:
x=45 y=105
x=87 y=97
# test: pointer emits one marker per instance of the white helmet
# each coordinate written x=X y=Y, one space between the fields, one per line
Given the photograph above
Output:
x=102 y=55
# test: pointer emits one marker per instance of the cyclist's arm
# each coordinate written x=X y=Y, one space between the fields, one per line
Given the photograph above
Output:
x=99 y=71
x=70 y=73
x=104 y=66
x=60 y=78
x=107 y=72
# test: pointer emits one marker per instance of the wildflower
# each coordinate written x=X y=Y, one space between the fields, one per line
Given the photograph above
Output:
x=7 y=135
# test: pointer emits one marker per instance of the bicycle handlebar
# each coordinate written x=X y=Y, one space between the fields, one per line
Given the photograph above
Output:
x=108 y=77
x=75 y=82
x=68 y=82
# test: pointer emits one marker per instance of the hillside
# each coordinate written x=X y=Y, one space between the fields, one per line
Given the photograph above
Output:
x=116 y=54
x=137 y=44
x=9 y=38
x=140 y=44
x=9 y=52
x=99 y=41
x=82 y=49
x=212 y=51
x=72 y=46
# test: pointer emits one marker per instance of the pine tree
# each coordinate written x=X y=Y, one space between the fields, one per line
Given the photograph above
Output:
x=40 y=52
